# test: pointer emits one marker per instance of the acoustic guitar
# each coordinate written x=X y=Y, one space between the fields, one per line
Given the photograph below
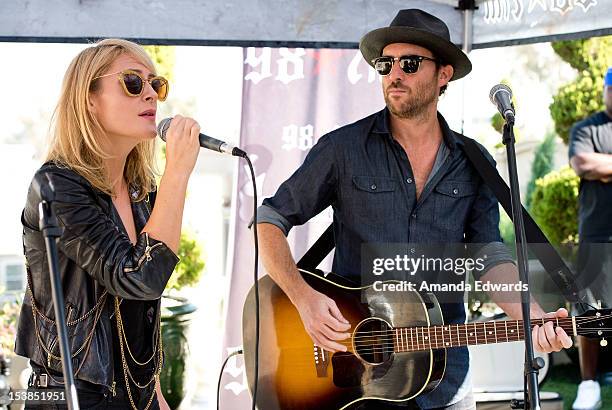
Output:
x=397 y=348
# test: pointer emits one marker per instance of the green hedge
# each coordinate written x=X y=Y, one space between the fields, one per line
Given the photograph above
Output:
x=577 y=100
x=554 y=205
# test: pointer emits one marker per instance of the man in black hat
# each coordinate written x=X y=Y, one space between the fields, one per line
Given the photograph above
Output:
x=397 y=176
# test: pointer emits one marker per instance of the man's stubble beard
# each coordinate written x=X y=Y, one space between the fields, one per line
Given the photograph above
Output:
x=416 y=101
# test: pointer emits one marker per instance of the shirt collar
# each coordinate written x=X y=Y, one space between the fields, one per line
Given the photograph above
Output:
x=381 y=126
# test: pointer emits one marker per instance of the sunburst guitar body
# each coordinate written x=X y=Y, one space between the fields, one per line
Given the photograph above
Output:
x=397 y=349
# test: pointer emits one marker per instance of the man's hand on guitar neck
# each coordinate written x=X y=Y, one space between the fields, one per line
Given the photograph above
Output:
x=322 y=320
x=547 y=338
x=550 y=338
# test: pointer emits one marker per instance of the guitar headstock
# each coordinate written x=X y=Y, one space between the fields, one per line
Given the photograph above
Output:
x=595 y=324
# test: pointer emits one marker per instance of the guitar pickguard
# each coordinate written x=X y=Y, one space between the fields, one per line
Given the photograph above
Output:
x=349 y=371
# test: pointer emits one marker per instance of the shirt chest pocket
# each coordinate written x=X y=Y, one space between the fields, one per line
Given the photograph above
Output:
x=373 y=197
x=453 y=202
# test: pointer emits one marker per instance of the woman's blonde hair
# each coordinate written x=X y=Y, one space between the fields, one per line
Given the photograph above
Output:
x=76 y=133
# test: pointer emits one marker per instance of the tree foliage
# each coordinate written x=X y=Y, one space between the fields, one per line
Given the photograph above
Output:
x=543 y=163
x=189 y=270
x=163 y=57
x=582 y=97
x=9 y=315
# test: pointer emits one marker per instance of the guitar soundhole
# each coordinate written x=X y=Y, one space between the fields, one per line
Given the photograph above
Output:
x=373 y=341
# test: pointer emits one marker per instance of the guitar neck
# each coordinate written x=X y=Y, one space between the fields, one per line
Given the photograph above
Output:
x=410 y=339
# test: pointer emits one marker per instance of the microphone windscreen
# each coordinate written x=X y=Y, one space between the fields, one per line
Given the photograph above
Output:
x=162 y=127
x=498 y=88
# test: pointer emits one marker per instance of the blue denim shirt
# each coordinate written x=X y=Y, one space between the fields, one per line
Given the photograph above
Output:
x=365 y=175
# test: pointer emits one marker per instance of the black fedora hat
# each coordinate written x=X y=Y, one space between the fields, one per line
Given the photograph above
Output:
x=415 y=26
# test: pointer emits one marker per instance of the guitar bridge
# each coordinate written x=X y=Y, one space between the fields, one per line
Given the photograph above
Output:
x=321 y=359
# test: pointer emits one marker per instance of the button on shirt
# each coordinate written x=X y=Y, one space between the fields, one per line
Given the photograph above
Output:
x=365 y=175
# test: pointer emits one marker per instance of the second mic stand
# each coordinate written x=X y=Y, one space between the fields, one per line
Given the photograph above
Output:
x=532 y=365
x=51 y=230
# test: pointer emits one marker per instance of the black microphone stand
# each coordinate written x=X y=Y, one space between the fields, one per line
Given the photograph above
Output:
x=51 y=231
x=531 y=399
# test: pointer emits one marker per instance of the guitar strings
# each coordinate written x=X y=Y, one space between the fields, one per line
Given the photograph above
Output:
x=390 y=339
x=485 y=337
x=503 y=324
x=428 y=338
x=385 y=340
x=389 y=346
x=449 y=329
x=431 y=342
x=390 y=342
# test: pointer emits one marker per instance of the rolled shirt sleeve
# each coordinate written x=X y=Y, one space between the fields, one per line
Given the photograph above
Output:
x=492 y=253
x=267 y=214
x=307 y=192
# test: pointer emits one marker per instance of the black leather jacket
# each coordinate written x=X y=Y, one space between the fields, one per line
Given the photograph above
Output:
x=96 y=258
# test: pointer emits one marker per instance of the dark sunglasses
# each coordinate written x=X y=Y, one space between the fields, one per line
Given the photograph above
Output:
x=408 y=64
x=133 y=84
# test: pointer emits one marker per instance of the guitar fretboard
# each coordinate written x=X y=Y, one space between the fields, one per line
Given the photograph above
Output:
x=409 y=339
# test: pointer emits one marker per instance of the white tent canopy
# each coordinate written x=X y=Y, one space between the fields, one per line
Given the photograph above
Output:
x=313 y=23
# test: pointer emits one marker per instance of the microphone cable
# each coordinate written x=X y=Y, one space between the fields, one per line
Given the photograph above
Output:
x=237 y=352
x=255 y=283
x=256 y=287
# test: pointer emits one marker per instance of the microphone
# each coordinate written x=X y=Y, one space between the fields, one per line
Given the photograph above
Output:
x=205 y=141
x=501 y=97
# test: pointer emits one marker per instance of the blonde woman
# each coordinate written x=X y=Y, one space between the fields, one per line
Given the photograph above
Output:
x=120 y=235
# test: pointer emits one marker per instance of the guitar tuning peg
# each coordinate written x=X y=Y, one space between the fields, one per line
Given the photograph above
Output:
x=603 y=342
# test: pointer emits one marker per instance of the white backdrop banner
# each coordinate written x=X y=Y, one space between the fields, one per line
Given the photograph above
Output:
x=291 y=97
